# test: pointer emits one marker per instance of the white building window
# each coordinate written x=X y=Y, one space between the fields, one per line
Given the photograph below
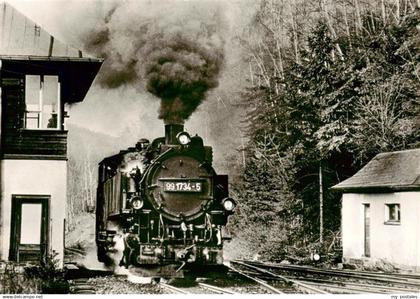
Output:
x=392 y=213
x=42 y=99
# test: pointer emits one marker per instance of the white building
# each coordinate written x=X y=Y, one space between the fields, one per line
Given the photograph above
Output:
x=39 y=75
x=381 y=211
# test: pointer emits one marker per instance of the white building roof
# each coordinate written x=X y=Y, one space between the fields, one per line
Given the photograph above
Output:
x=25 y=48
x=391 y=171
x=21 y=36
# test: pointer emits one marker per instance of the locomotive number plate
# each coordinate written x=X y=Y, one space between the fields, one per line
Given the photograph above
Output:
x=182 y=186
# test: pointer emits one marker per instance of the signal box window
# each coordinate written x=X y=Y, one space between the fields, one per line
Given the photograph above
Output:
x=42 y=99
x=393 y=213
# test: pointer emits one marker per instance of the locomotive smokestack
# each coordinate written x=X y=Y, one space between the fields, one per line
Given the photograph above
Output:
x=171 y=130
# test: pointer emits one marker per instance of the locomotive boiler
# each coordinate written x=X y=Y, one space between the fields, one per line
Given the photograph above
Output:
x=166 y=202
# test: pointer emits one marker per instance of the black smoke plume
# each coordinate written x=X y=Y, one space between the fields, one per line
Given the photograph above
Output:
x=180 y=72
x=176 y=59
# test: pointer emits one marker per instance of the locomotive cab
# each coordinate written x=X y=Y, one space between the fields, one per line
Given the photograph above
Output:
x=165 y=200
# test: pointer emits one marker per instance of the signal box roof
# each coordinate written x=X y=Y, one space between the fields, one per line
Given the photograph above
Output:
x=392 y=171
x=27 y=48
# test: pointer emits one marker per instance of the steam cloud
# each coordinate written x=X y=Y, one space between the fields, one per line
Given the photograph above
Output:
x=174 y=51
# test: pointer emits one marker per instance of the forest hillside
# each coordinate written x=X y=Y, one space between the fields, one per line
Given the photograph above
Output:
x=331 y=84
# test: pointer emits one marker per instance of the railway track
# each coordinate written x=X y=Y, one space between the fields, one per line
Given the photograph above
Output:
x=81 y=286
x=263 y=284
x=172 y=289
x=305 y=288
x=233 y=282
x=196 y=289
x=78 y=278
x=336 y=281
x=380 y=276
x=200 y=286
x=257 y=277
x=215 y=289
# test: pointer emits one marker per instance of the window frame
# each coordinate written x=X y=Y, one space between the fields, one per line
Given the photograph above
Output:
x=59 y=112
x=388 y=210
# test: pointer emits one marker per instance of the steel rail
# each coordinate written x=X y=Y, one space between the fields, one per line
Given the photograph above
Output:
x=360 y=275
x=353 y=289
x=216 y=289
x=81 y=286
x=399 y=276
x=360 y=285
x=174 y=289
x=292 y=281
x=340 y=285
x=259 y=281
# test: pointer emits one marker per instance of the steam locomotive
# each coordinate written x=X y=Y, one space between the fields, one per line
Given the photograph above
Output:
x=166 y=202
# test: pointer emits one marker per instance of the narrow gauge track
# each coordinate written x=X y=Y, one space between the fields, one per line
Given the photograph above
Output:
x=263 y=284
x=271 y=278
x=347 y=288
x=337 y=281
x=196 y=289
x=79 y=278
x=235 y=281
x=306 y=288
x=172 y=289
x=81 y=286
x=345 y=273
x=215 y=289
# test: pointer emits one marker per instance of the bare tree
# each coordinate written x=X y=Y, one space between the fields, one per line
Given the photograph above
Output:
x=380 y=123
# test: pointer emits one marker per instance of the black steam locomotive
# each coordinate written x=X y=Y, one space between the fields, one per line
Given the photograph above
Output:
x=165 y=201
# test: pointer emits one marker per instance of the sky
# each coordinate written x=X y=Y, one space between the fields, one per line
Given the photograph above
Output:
x=114 y=110
x=129 y=111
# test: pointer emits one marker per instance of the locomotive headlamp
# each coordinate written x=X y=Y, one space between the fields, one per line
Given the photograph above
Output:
x=183 y=138
x=137 y=203
x=229 y=204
